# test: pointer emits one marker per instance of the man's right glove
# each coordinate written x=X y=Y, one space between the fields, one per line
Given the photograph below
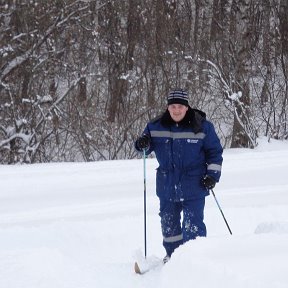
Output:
x=209 y=182
x=143 y=142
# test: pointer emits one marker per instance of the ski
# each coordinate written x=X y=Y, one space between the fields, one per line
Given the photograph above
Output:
x=137 y=268
x=143 y=267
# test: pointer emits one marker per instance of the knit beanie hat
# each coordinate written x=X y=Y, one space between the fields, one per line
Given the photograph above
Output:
x=178 y=96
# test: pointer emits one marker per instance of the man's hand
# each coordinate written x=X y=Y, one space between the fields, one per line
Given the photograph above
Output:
x=143 y=142
x=209 y=182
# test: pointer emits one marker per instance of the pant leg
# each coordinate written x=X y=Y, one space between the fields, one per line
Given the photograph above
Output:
x=170 y=213
x=193 y=219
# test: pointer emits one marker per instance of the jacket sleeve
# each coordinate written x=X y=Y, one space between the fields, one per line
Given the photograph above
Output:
x=213 y=151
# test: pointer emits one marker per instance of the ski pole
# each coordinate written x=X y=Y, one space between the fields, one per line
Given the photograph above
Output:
x=145 y=234
x=221 y=211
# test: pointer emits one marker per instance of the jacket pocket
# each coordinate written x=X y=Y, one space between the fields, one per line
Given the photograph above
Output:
x=162 y=183
x=191 y=185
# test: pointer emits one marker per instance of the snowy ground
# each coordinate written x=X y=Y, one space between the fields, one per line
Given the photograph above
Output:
x=81 y=225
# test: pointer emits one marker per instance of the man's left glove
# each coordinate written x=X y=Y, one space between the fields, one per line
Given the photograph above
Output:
x=209 y=182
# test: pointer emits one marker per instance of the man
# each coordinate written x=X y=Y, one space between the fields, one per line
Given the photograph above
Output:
x=189 y=154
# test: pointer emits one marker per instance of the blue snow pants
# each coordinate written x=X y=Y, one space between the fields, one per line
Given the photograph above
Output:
x=175 y=234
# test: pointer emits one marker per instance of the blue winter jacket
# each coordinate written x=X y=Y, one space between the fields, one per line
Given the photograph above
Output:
x=186 y=151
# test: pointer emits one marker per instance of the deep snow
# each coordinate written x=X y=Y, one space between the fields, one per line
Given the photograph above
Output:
x=81 y=225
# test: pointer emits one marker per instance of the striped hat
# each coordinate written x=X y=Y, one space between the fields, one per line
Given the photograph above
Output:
x=178 y=96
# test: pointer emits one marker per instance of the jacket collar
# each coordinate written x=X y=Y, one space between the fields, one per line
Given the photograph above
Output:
x=193 y=119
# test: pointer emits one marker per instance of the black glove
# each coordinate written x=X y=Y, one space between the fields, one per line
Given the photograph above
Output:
x=209 y=182
x=143 y=142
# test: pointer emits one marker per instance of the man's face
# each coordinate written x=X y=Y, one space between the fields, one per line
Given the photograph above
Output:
x=177 y=111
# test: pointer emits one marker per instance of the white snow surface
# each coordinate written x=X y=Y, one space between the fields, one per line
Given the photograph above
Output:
x=81 y=225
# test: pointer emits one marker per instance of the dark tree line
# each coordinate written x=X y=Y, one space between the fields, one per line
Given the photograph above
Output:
x=80 y=79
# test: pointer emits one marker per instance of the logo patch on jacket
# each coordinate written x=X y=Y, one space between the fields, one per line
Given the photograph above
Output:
x=192 y=141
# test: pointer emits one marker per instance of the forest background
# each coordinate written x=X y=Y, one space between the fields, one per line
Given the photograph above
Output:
x=80 y=79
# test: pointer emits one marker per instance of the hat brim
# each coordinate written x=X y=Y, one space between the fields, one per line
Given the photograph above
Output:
x=178 y=101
